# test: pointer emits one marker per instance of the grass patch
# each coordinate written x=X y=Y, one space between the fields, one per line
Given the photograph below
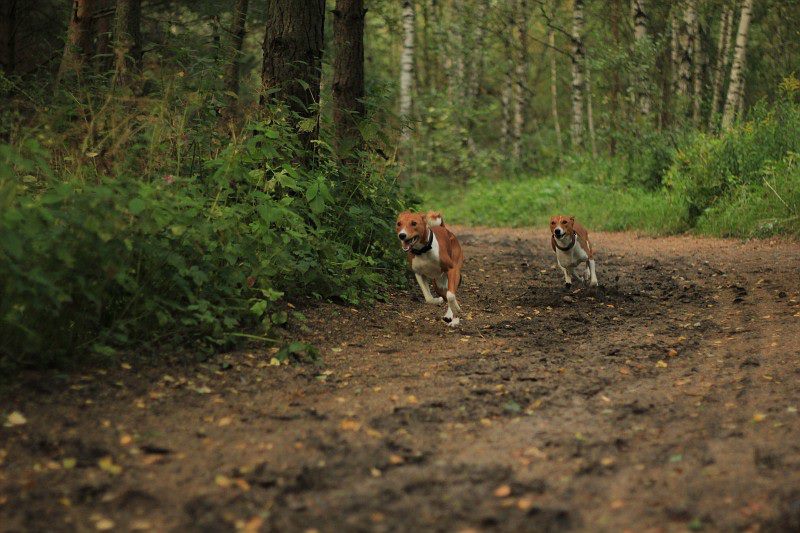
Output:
x=531 y=202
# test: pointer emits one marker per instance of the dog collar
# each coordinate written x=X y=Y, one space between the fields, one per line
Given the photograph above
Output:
x=568 y=247
x=425 y=248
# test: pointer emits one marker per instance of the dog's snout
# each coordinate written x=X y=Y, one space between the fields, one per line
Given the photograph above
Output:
x=558 y=232
x=402 y=236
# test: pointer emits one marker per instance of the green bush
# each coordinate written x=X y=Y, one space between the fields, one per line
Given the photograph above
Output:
x=709 y=167
x=139 y=263
x=531 y=202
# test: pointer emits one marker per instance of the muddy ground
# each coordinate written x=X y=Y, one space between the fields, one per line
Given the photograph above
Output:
x=665 y=401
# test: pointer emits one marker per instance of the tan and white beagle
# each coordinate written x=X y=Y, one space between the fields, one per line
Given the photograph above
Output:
x=434 y=255
x=570 y=242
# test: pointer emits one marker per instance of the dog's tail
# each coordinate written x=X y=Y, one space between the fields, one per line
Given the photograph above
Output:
x=434 y=218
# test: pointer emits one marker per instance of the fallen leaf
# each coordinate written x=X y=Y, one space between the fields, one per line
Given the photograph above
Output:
x=617 y=504
x=607 y=461
x=374 y=472
x=672 y=352
x=523 y=504
x=69 y=462
x=107 y=464
x=104 y=524
x=15 y=419
x=124 y=440
x=502 y=491
x=661 y=364
x=395 y=459
x=126 y=366
x=202 y=390
x=350 y=425
x=759 y=417
x=223 y=481
x=253 y=525
x=224 y=421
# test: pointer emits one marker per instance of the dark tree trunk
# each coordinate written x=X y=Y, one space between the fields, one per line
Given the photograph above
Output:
x=293 y=57
x=78 y=46
x=8 y=31
x=348 y=70
x=103 y=24
x=127 y=39
x=235 y=51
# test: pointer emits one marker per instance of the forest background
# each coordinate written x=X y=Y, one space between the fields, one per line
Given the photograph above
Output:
x=190 y=174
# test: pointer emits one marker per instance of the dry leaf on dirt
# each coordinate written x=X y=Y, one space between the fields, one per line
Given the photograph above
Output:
x=15 y=419
x=502 y=491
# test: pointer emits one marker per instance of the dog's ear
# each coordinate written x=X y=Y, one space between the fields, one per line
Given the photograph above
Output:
x=572 y=219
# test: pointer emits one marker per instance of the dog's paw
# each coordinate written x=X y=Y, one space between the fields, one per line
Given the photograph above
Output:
x=593 y=283
x=435 y=301
x=567 y=286
x=447 y=319
x=454 y=322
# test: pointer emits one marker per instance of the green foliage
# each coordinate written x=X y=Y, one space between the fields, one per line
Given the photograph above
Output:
x=711 y=169
x=124 y=263
x=530 y=202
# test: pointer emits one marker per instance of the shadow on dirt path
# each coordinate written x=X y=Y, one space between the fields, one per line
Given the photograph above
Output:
x=666 y=400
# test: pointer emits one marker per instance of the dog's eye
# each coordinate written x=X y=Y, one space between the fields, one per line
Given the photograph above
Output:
x=552 y=222
x=563 y=221
x=398 y=224
x=413 y=223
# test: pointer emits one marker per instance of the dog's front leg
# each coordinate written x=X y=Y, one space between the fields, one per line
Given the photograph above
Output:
x=426 y=291
x=567 y=277
x=593 y=279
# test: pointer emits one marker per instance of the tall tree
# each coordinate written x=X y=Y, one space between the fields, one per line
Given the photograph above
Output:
x=78 y=45
x=642 y=92
x=407 y=66
x=232 y=65
x=8 y=31
x=291 y=70
x=736 y=85
x=687 y=43
x=554 y=90
x=721 y=65
x=127 y=39
x=578 y=81
x=520 y=47
x=697 y=73
x=348 y=70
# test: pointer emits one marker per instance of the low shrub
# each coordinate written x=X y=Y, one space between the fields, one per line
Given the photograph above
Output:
x=91 y=266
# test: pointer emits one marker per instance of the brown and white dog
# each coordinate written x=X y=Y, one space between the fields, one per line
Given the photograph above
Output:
x=570 y=242
x=434 y=255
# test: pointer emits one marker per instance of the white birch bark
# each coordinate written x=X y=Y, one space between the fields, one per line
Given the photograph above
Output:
x=519 y=81
x=589 y=114
x=640 y=37
x=721 y=65
x=735 y=88
x=578 y=81
x=554 y=90
x=687 y=49
x=407 y=67
x=697 y=74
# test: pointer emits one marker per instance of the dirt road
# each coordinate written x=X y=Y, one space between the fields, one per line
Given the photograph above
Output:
x=666 y=401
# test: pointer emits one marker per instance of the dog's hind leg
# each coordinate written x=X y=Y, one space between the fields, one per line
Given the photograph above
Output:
x=426 y=291
x=592 y=274
x=453 y=277
x=440 y=285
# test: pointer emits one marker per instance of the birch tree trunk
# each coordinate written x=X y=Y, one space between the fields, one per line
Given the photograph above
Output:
x=640 y=37
x=232 y=64
x=519 y=82
x=406 y=67
x=697 y=74
x=127 y=39
x=348 y=71
x=578 y=81
x=505 y=125
x=589 y=113
x=554 y=90
x=735 y=88
x=78 y=45
x=675 y=54
x=721 y=65
x=293 y=43
x=687 y=49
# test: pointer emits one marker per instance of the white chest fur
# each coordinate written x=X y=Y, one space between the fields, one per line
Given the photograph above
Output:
x=427 y=264
x=572 y=257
